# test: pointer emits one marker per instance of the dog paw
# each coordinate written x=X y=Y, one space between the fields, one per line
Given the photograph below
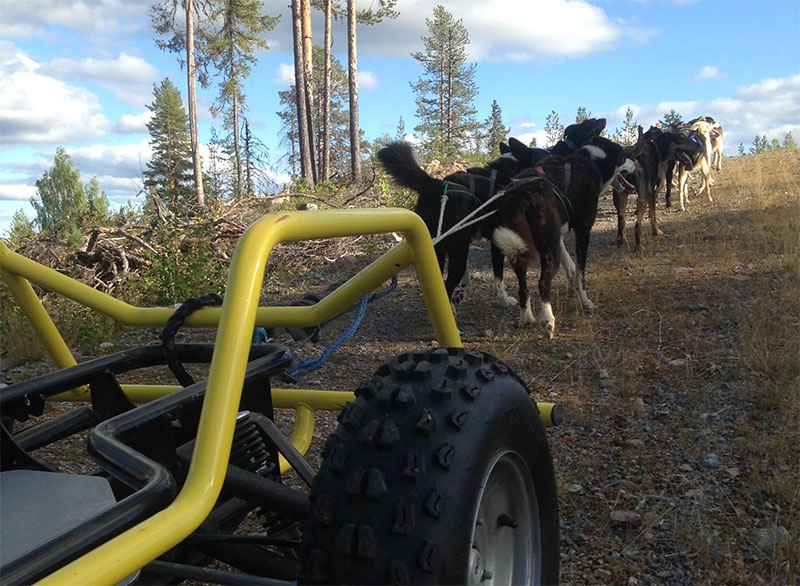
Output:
x=459 y=295
x=547 y=320
x=506 y=301
x=526 y=318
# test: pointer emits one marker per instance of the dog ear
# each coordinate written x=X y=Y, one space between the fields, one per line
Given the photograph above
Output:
x=504 y=148
x=518 y=149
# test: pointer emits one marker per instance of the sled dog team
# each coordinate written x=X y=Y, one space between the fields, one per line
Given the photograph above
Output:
x=527 y=200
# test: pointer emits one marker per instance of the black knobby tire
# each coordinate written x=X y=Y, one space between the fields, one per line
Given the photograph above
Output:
x=438 y=473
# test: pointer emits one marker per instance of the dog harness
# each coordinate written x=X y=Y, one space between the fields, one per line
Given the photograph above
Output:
x=566 y=204
x=470 y=191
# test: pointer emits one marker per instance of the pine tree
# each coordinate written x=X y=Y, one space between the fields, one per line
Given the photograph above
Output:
x=303 y=71
x=789 y=142
x=169 y=173
x=21 y=228
x=339 y=133
x=496 y=131
x=582 y=115
x=178 y=36
x=628 y=134
x=369 y=16
x=741 y=151
x=553 y=129
x=400 y=133
x=671 y=118
x=446 y=91
x=232 y=51
x=760 y=145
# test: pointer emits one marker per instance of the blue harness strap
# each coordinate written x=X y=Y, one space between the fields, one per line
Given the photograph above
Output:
x=303 y=367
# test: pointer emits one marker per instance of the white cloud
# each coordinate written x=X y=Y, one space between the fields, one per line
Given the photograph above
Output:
x=503 y=30
x=285 y=74
x=367 y=80
x=128 y=77
x=770 y=107
x=16 y=192
x=520 y=30
x=121 y=161
x=707 y=72
x=133 y=123
x=106 y=17
x=36 y=108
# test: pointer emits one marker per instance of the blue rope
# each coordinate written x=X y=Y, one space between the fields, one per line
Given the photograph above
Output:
x=303 y=367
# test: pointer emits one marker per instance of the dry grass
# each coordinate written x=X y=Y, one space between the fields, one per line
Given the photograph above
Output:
x=701 y=335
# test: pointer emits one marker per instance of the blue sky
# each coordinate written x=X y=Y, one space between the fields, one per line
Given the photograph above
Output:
x=79 y=75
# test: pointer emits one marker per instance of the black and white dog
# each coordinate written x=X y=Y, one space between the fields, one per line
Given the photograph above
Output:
x=575 y=136
x=657 y=149
x=443 y=203
x=542 y=205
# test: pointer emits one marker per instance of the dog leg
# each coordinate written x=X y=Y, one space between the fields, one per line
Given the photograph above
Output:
x=547 y=319
x=637 y=228
x=621 y=204
x=500 y=294
x=525 y=313
x=651 y=204
x=682 y=188
x=464 y=287
x=503 y=298
x=550 y=260
x=706 y=171
x=582 y=235
x=456 y=271
x=566 y=260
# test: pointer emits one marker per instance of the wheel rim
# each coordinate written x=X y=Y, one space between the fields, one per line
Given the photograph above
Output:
x=506 y=541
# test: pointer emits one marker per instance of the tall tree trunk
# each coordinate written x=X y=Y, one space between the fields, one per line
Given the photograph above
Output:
x=325 y=166
x=192 y=90
x=308 y=71
x=352 y=82
x=237 y=150
x=249 y=188
x=300 y=85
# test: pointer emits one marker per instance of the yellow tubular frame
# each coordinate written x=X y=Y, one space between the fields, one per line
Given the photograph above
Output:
x=235 y=320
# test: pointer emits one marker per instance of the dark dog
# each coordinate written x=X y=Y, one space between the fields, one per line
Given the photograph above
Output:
x=657 y=149
x=575 y=136
x=542 y=205
x=443 y=203
x=465 y=192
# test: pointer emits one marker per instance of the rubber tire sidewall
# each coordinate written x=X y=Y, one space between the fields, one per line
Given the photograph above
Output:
x=377 y=519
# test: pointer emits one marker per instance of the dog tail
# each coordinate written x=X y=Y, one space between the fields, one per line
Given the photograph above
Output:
x=511 y=244
x=399 y=161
